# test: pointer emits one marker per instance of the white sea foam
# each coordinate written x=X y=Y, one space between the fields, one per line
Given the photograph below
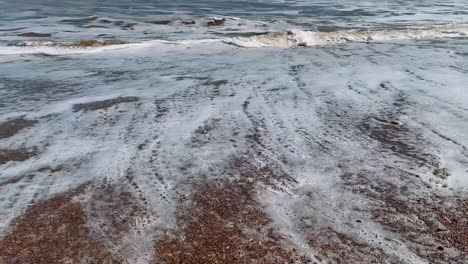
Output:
x=70 y=48
x=297 y=37
x=57 y=50
x=284 y=39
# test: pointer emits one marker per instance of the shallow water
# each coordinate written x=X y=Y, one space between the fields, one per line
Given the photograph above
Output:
x=68 y=21
x=344 y=121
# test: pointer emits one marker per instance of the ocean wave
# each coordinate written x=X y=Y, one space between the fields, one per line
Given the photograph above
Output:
x=76 y=44
x=57 y=50
x=70 y=48
x=282 y=39
x=297 y=37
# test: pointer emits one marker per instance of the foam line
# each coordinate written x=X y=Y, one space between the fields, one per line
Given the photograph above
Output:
x=296 y=37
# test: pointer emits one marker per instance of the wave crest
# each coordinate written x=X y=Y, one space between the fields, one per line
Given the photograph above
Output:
x=296 y=37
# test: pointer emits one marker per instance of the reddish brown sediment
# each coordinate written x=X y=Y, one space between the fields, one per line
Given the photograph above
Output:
x=15 y=180
x=270 y=174
x=161 y=109
x=115 y=208
x=94 y=43
x=21 y=154
x=216 y=22
x=342 y=248
x=398 y=140
x=98 y=105
x=203 y=134
x=455 y=220
x=51 y=169
x=431 y=227
x=53 y=231
x=222 y=222
x=442 y=173
x=87 y=43
x=34 y=35
x=191 y=22
x=434 y=227
x=12 y=127
x=207 y=126
x=162 y=22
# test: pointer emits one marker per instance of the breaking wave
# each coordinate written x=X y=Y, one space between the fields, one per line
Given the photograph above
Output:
x=69 y=48
x=295 y=38
x=283 y=39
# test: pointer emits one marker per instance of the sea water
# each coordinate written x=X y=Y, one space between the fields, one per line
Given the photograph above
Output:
x=316 y=89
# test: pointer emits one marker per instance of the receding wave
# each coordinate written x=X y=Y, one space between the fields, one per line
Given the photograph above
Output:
x=295 y=38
